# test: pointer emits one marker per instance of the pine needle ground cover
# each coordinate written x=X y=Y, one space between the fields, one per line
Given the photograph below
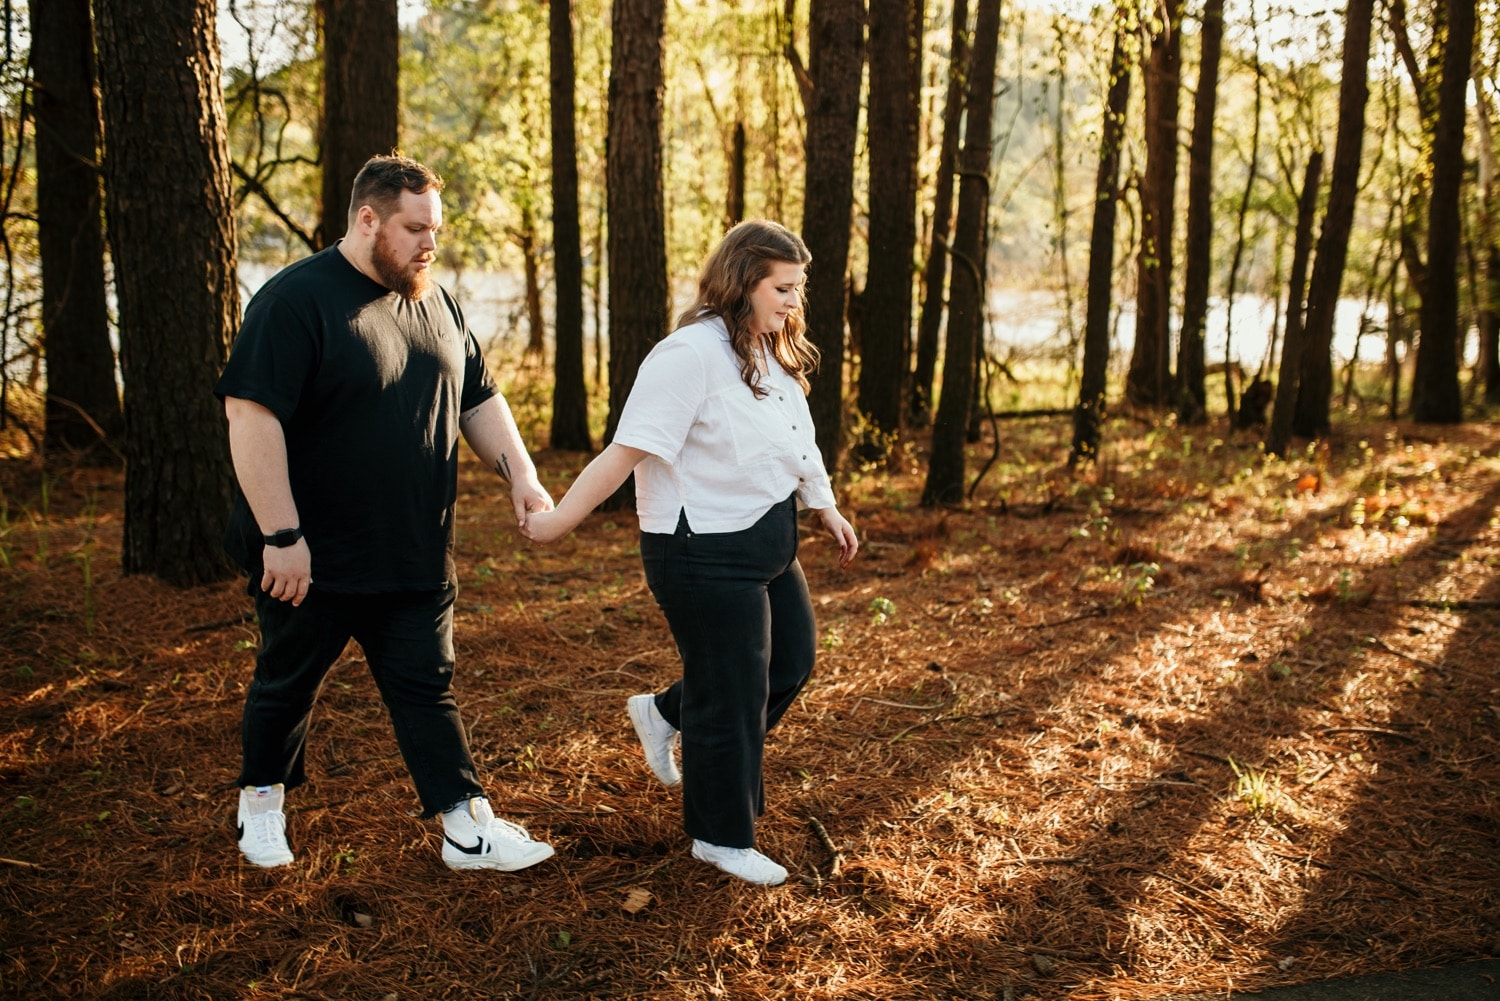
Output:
x=1191 y=722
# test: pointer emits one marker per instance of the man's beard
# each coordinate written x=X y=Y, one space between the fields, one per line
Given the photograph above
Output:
x=396 y=274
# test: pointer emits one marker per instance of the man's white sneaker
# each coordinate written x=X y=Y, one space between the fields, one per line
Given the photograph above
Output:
x=658 y=737
x=746 y=863
x=474 y=838
x=262 y=826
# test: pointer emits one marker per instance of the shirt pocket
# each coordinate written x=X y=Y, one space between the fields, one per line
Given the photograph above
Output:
x=756 y=426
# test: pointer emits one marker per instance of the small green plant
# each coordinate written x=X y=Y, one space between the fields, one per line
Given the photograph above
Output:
x=832 y=639
x=562 y=940
x=346 y=858
x=1136 y=582
x=882 y=610
x=1258 y=790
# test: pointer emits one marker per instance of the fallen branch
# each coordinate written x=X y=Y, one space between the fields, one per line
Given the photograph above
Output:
x=1369 y=729
x=836 y=855
x=1096 y=611
x=237 y=620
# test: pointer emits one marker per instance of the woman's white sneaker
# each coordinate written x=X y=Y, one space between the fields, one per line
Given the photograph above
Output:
x=658 y=737
x=746 y=863
x=474 y=838
x=262 y=826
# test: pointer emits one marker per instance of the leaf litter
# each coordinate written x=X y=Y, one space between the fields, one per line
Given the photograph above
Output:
x=1173 y=725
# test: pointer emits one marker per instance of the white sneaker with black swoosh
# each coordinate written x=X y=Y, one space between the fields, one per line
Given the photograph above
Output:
x=262 y=827
x=474 y=838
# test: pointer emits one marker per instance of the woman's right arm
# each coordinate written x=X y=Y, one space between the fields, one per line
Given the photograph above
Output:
x=599 y=480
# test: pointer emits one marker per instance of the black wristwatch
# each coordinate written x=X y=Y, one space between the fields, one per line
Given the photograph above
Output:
x=285 y=537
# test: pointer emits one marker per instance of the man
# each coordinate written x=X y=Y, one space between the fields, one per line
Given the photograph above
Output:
x=346 y=390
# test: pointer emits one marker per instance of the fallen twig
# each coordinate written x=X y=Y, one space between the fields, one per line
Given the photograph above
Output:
x=837 y=856
x=1096 y=611
x=1369 y=729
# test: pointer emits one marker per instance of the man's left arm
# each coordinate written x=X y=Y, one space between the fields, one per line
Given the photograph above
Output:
x=490 y=429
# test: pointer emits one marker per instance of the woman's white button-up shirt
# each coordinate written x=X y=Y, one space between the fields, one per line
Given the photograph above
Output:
x=717 y=452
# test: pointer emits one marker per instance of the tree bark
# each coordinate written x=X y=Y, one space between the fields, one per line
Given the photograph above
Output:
x=734 y=204
x=1488 y=211
x=1088 y=416
x=1293 y=342
x=894 y=112
x=830 y=97
x=361 y=63
x=1436 y=398
x=638 y=294
x=1192 y=394
x=173 y=245
x=83 y=400
x=935 y=277
x=570 y=400
x=1149 y=379
x=945 y=476
x=1310 y=418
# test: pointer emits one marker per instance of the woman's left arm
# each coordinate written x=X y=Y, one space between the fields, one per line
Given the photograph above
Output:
x=843 y=533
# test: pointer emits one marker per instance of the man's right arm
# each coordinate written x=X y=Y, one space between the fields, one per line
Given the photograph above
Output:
x=257 y=445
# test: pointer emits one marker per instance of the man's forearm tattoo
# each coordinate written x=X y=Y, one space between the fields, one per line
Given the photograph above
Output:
x=502 y=466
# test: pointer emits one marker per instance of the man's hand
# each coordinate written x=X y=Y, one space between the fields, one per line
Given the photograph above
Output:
x=288 y=572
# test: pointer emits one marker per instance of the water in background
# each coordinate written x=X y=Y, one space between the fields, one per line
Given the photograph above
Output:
x=1021 y=323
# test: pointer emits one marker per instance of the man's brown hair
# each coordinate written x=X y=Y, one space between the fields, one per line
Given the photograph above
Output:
x=381 y=180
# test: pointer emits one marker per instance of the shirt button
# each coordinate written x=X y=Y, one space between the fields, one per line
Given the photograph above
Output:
x=794 y=427
x=804 y=457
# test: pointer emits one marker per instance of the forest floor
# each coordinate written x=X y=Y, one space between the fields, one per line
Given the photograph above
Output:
x=1193 y=722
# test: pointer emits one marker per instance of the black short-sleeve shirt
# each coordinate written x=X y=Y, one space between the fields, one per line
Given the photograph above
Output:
x=369 y=387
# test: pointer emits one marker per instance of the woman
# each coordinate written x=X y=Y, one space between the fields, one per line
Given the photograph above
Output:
x=718 y=433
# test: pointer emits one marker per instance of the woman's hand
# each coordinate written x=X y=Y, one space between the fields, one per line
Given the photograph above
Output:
x=543 y=527
x=843 y=533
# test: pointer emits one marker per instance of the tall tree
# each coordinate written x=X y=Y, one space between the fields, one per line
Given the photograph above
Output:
x=1088 y=416
x=1487 y=198
x=1148 y=381
x=1435 y=394
x=83 y=400
x=935 y=274
x=1293 y=343
x=361 y=43
x=172 y=242
x=829 y=84
x=638 y=293
x=1192 y=395
x=1310 y=418
x=894 y=112
x=570 y=399
x=945 y=476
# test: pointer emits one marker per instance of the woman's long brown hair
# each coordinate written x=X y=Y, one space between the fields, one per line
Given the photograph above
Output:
x=741 y=260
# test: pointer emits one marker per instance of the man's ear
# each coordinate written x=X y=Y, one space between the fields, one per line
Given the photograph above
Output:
x=366 y=219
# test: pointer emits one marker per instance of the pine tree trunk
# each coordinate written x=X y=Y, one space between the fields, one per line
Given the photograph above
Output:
x=835 y=63
x=935 y=277
x=638 y=293
x=1148 y=382
x=895 y=74
x=570 y=400
x=1310 y=417
x=734 y=203
x=1088 y=416
x=1436 y=398
x=1192 y=394
x=361 y=64
x=945 y=476
x=83 y=401
x=1294 y=341
x=172 y=240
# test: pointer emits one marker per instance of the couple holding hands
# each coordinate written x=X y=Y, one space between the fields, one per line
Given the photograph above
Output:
x=347 y=388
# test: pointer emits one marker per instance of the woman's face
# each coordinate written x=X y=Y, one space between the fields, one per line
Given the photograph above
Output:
x=776 y=295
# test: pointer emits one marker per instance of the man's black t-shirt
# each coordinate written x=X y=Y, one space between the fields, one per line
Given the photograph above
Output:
x=368 y=387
